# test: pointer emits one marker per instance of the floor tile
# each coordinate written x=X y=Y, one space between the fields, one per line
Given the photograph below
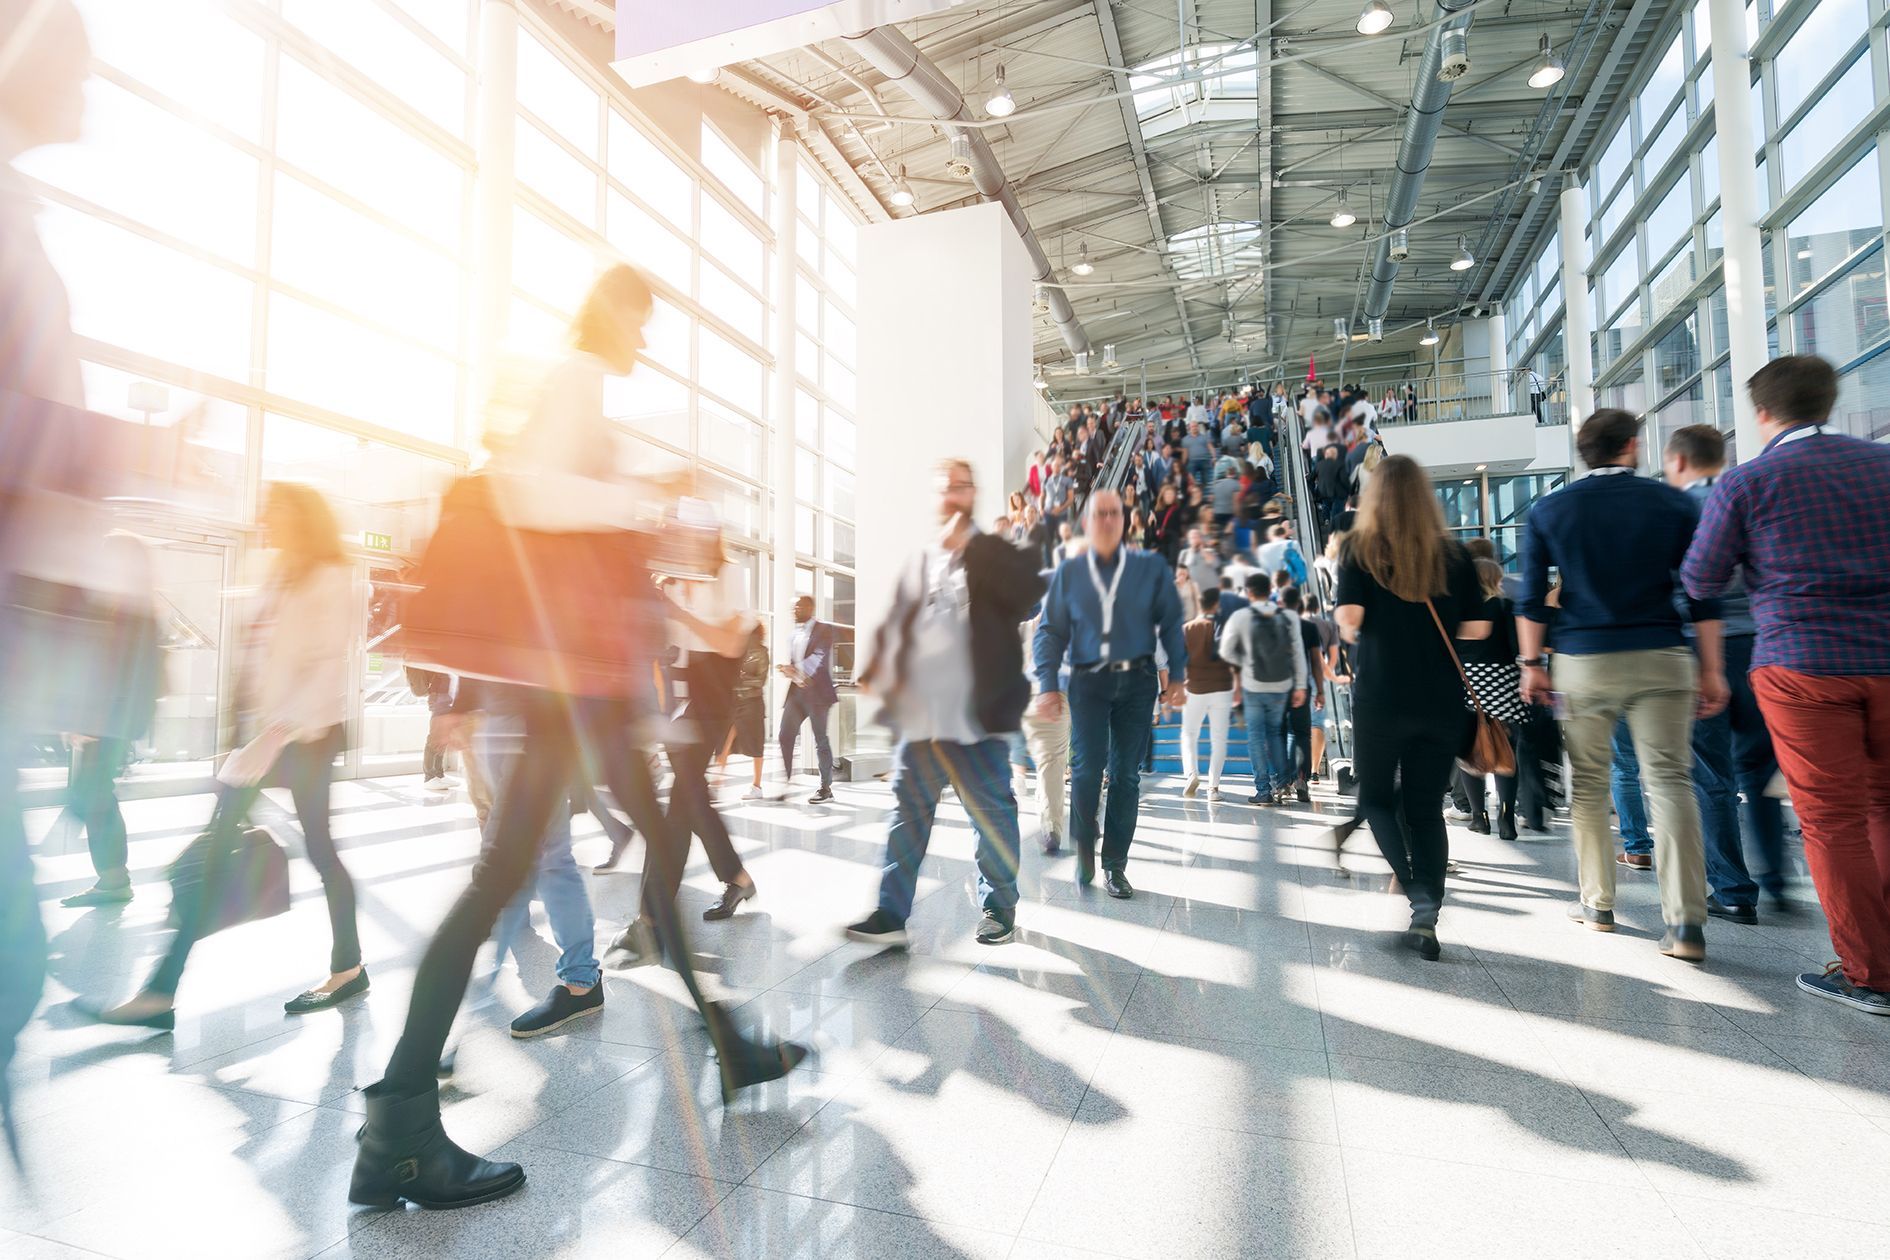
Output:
x=1282 y=1011
x=1747 y=1231
x=1215 y=1084
x=752 y=1223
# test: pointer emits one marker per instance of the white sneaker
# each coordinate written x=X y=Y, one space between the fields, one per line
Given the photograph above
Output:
x=1214 y=794
x=752 y=794
x=438 y=783
x=1457 y=815
x=1194 y=785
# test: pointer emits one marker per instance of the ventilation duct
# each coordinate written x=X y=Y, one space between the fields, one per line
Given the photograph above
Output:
x=1421 y=126
x=894 y=56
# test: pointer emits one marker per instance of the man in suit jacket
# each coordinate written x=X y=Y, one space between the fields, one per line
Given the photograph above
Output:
x=809 y=671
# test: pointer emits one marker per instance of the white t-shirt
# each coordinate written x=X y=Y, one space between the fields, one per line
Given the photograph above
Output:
x=932 y=704
x=715 y=602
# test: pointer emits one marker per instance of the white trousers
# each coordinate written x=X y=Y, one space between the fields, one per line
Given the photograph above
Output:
x=1218 y=708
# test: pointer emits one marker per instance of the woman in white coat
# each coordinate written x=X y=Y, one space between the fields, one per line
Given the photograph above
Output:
x=292 y=701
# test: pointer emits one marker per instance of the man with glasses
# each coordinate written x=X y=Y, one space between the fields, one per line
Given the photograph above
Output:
x=1107 y=609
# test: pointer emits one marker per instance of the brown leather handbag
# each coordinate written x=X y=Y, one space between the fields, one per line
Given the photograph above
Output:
x=1489 y=751
x=564 y=612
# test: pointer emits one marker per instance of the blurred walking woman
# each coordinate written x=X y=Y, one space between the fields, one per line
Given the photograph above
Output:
x=292 y=696
x=1399 y=577
x=554 y=492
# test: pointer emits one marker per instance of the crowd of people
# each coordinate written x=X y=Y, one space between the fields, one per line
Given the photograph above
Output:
x=565 y=609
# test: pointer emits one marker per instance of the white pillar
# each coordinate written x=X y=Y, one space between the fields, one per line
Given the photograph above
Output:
x=1739 y=213
x=494 y=188
x=781 y=442
x=1576 y=311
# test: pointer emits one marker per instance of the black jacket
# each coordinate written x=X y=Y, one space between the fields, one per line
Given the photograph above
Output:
x=1002 y=583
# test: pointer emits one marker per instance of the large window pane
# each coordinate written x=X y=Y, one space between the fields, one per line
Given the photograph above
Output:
x=549 y=264
x=1863 y=406
x=190 y=50
x=731 y=440
x=1671 y=217
x=728 y=242
x=1827 y=122
x=840 y=335
x=652 y=401
x=1619 y=280
x=218 y=433
x=372 y=486
x=1672 y=282
x=1847 y=318
x=1613 y=162
x=377 y=44
x=666 y=338
x=1664 y=144
x=730 y=372
x=839 y=231
x=839 y=439
x=1827 y=33
x=128 y=291
x=1677 y=355
x=647 y=243
x=344 y=367
x=1616 y=215
x=338 y=139
x=556 y=94
x=731 y=303
x=147 y=164
x=635 y=162
x=446 y=19
x=733 y=170
x=321 y=246
x=1844 y=218
x=806 y=418
x=549 y=170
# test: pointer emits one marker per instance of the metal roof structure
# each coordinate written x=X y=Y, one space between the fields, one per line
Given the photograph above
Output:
x=1197 y=152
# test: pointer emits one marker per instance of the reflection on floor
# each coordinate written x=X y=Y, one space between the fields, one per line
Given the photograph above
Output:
x=1236 y=1063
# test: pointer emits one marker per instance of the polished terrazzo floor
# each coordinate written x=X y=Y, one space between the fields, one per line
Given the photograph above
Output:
x=1239 y=1062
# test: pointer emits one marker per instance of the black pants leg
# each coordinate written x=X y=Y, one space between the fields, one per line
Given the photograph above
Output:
x=535 y=786
x=92 y=796
x=308 y=770
x=1299 y=731
x=1402 y=774
x=691 y=809
x=226 y=826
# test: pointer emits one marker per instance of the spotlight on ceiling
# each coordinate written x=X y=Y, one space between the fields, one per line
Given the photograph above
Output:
x=1455 y=62
x=1430 y=337
x=1083 y=265
x=1341 y=330
x=1343 y=216
x=709 y=75
x=1374 y=18
x=1040 y=300
x=901 y=190
x=1000 y=104
x=1082 y=360
x=1464 y=259
x=1109 y=355
x=1547 y=71
x=1375 y=329
x=1037 y=381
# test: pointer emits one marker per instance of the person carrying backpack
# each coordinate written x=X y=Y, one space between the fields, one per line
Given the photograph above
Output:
x=1262 y=640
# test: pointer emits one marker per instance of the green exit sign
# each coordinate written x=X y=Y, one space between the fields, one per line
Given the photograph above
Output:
x=377 y=542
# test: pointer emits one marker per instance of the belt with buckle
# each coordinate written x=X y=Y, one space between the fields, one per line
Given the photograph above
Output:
x=1114 y=667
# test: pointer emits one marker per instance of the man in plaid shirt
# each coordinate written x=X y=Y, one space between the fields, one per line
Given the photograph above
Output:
x=1809 y=521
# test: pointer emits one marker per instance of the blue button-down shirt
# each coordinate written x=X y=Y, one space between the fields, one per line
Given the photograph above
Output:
x=1147 y=608
x=1809 y=521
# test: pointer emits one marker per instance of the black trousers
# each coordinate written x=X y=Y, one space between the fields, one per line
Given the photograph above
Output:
x=1403 y=764
x=308 y=771
x=1299 y=721
x=92 y=798
x=1538 y=762
x=691 y=809
x=556 y=729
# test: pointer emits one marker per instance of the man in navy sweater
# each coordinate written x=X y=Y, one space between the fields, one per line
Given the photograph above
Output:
x=1618 y=539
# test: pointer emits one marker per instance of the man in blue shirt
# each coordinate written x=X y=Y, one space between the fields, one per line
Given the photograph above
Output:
x=1106 y=609
x=1617 y=540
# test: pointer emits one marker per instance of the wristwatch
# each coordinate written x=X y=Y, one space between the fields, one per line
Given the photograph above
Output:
x=1533 y=662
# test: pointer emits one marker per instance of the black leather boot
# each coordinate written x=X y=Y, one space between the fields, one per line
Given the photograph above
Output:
x=405 y=1154
x=1506 y=823
x=1481 y=823
x=743 y=1062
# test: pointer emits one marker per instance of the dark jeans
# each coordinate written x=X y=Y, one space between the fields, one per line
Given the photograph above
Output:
x=1403 y=764
x=535 y=785
x=92 y=798
x=981 y=775
x=1299 y=737
x=691 y=810
x=307 y=770
x=1538 y=748
x=800 y=708
x=1109 y=727
x=1732 y=757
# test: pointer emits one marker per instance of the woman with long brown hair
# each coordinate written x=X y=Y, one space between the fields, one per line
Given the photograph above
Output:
x=292 y=697
x=1405 y=589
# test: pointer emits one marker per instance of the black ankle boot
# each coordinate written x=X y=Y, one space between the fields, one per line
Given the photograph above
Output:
x=1481 y=823
x=746 y=1063
x=1506 y=823
x=405 y=1154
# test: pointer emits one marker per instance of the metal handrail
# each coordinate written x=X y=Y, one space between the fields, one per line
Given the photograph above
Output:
x=1295 y=474
x=1478 y=395
x=1114 y=473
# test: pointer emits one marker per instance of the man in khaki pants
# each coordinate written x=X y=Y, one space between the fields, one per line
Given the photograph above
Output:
x=1617 y=540
x=1049 y=742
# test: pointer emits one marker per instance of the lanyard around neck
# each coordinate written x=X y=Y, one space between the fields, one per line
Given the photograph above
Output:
x=1803 y=431
x=1107 y=597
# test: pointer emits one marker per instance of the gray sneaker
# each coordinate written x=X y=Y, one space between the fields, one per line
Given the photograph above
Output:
x=995 y=929
x=1834 y=984
x=1598 y=920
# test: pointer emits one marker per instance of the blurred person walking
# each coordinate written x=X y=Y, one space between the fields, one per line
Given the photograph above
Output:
x=747 y=732
x=1210 y=696
x=1263 y=642
x=1807 y=519
x=1490 y=664
x=811 y=695
x=1405 y=591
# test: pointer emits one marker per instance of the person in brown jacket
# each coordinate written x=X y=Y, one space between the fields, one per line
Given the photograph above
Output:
x=1210 y=695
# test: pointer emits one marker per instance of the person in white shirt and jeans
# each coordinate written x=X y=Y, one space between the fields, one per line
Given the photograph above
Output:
x=1262 y=641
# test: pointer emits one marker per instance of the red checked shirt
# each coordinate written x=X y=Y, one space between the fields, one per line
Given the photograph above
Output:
x=1809 y=520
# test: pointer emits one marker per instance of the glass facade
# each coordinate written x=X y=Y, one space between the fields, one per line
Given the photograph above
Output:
x=1655 y=288
x=266 y=232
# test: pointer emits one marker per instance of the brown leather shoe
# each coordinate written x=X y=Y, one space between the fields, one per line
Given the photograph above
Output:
x=1634 y=861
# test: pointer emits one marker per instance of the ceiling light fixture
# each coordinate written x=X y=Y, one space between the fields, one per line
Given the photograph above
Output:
x=1547 y=71
x=1000 y=104
x=1374 y=18
x=1375 y=329
x=1037 y=382
x=1464 y=259
x=1341 y=330
x=902 y=191
x=1109 y=354
x=1430 y=337
x=1343 y=216
x=710 y=75
x=1083 y=265
x=1455 y=60
x=1082 y=361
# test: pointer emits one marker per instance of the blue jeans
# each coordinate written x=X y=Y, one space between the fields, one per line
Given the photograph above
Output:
x=554 y=879
x=981 y=775
x=1733 y=758
x=1624 y=782
x=1109 y=727
x=1266 y=740
x=1201 y=470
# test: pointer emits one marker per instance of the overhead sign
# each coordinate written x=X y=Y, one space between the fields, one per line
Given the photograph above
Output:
x=658 y=40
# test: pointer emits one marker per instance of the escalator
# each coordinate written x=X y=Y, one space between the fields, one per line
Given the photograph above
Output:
x=1294 y=474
